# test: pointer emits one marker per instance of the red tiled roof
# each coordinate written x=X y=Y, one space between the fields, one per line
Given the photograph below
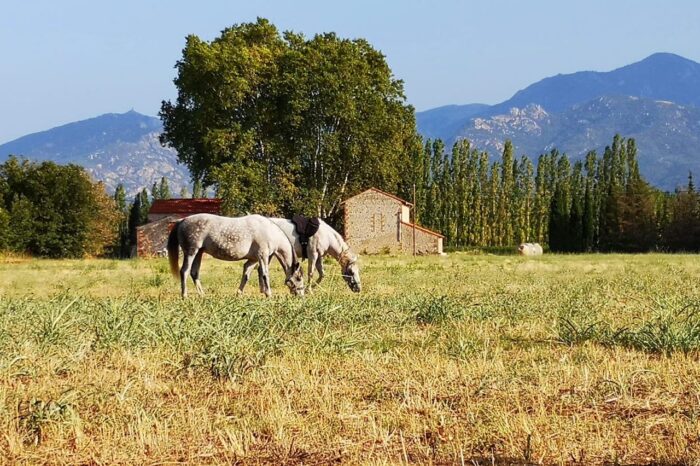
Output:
x=186 y=206
x=423 y=229
x=380 y=192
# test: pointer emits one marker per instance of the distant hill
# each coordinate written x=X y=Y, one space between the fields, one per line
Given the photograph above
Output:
x=444 y=122
x=114 y=148
x=655 y=101
x=662 y=76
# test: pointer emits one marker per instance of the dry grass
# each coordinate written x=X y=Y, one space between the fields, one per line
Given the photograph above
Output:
x=473 y=359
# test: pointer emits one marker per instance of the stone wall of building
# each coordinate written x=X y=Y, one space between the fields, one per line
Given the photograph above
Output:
x=377 y=222
x=426 y=243
x=372 y=223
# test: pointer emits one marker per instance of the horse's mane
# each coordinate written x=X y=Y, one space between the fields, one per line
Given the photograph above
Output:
x=346 y=255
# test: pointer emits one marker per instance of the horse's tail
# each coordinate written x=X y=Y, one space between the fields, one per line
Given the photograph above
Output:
x=173 y=250
x=295 y=259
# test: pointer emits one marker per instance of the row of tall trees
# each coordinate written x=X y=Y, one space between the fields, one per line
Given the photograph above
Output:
x=594 y=204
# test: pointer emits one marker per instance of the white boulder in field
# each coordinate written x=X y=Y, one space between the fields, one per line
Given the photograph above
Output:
x=530 y=249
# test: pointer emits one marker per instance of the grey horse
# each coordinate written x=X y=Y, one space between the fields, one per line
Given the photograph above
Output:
x=252 y=237
x=326 y=241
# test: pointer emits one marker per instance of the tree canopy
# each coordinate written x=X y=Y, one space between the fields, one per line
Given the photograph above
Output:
x=281 y=123
x=54 y=210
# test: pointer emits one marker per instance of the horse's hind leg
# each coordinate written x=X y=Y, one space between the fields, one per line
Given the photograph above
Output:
x=194 y=273
x=247 y=270
x=261 y=282
x=185 y=270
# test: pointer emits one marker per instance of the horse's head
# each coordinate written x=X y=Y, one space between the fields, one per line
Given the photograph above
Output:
x=351 y=270
x=295 y=279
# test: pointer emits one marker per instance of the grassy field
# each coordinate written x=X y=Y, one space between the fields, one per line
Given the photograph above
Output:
x=460 y=359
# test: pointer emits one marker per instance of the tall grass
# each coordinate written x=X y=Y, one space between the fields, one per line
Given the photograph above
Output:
x=460 y=359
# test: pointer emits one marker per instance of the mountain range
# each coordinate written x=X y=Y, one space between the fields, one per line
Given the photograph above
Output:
x=656 y=101
x=114 y=148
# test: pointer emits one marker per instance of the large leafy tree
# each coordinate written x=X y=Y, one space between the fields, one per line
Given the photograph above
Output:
x=344 y=117
x=280 y=123
x=54 y=210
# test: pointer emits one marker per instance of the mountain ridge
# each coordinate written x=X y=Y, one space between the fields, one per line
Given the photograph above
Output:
x=666 y=85
x=574 y=112
x=660 y=76
x=113 y=147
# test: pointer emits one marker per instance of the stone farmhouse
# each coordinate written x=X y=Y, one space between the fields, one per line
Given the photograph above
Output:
x=379 y=222
x=152 y=238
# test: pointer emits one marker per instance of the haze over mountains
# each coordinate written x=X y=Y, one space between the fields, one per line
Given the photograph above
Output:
x=656 y=101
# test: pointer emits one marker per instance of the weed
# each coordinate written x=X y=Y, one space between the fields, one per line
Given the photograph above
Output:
x=232 y=359
x=114 y=324
x=572 y=333
x=52 y=325
x=35 y=415
x=664 y=335
x=435 y=309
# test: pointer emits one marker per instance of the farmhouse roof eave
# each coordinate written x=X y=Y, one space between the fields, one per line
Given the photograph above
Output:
x=423 y=229
x=403 y=201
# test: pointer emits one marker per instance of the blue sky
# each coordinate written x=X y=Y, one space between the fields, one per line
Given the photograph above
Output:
x=68 y=60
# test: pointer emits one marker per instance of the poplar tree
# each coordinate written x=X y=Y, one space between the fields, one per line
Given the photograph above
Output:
x=122 y=246
x=578 y=189
x=504 y=214
x=590 y=206
x=197 y=190
x=164 y=189
x=559 y=233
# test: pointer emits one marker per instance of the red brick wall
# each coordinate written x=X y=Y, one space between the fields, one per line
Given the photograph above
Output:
x=152 y=238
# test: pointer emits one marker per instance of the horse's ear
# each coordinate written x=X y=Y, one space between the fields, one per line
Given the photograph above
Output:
x=296 y=266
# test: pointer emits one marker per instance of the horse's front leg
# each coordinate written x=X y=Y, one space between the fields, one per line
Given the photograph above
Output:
x=313 y=257
x=319 y=267
x=264 y=275
x=247 y=270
